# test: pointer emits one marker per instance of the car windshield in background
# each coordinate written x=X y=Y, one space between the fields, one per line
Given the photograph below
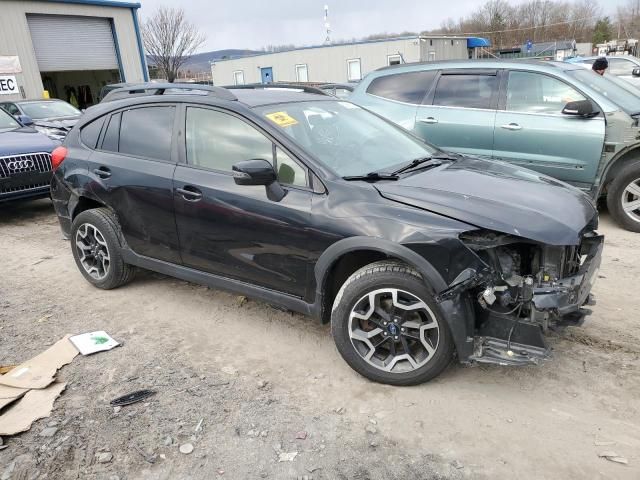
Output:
x=7 y=121
x=346 y=138
x=38 y=110
x=622 y=97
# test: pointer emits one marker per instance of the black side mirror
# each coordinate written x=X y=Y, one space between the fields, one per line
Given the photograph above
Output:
x=636 y=72
x=25 y=120
x=254 y=172
x=259 y=172
x=581 y=108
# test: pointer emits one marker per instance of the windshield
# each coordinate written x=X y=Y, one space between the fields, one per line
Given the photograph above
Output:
x=346 y=138
x=622 y=97
x=7 y=121
x=38 y=110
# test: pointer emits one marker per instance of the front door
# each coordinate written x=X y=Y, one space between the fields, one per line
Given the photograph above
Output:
x=232 y=230
x=531 y=130
x=459 y=115
x=132 y=168
x=266 y=74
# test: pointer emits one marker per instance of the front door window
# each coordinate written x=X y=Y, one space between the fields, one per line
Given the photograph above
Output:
x=530 y=92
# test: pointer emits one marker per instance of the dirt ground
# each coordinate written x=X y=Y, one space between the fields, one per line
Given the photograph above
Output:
x=255 y=379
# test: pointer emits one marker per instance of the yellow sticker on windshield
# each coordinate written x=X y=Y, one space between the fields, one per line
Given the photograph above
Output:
x=282 y=119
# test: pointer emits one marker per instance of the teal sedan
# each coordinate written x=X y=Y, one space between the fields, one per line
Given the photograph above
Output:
x=559 y=119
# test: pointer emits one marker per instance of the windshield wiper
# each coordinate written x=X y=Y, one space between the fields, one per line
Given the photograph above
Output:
x=372 y=177
x=423 y=162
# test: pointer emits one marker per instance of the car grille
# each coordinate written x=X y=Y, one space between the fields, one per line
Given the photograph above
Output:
x=33 y=162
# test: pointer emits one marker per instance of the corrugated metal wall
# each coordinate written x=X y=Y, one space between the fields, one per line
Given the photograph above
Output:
x=15 y=38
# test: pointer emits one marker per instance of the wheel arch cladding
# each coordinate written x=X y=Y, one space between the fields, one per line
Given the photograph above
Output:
x=84 y=203
x=456 y=312
x=618 y=164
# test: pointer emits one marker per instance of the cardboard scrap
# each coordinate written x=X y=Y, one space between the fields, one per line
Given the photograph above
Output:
x=10 y=394
x=34 y=405
x=41 y=369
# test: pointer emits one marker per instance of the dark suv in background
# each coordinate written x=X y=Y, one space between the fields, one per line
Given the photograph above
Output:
x=319 y=206
x=25 y=160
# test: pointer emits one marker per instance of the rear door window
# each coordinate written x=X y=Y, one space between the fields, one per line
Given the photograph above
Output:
x=410 y=87
x=466 y=91
x=111 y=136
x=147 y=132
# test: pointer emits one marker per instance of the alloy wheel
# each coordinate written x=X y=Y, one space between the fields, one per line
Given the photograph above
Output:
x=93 y=251
x=393 y=330
x=631 y=200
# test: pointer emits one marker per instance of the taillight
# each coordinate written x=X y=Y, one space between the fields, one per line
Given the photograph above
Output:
x=57 y=157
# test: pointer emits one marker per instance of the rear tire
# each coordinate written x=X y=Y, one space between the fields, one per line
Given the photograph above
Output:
x=95 y=244
x=387 y=326
x=623 y=197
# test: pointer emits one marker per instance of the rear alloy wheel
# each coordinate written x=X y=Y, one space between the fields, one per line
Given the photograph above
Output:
x=388 y=328
x=95 y=246
x=623 y=198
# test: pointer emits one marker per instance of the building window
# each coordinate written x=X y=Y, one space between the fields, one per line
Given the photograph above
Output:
x=394 y=59
x=238 y=77
x=302 y=73
x=431 y=42
x=353 y=70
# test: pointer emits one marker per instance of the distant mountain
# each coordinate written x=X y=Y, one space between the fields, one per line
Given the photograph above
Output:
x=201 y=62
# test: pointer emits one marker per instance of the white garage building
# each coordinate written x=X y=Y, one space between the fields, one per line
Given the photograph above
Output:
x=68 y=48
x=347 y=62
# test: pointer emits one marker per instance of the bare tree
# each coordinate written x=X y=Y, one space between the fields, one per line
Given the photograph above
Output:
x=170 y=40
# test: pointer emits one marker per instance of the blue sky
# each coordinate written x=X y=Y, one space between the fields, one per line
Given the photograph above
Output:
x=257 y=23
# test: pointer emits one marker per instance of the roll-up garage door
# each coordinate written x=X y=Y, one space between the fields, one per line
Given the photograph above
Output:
x=64 y=43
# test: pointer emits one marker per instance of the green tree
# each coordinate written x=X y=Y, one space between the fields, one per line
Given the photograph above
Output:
x=602 y=31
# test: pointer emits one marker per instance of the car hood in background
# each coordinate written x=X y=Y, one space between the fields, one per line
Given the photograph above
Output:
x=65 y=123
x=499 y=197
x=24 y=140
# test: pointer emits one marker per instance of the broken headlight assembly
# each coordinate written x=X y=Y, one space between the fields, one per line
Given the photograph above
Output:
x=521 y=289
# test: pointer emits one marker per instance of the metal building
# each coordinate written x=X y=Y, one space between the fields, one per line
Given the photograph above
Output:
x=347 y=62
x=69 y=48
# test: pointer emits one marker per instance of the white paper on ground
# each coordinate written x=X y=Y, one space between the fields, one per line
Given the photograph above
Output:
x=92 y=342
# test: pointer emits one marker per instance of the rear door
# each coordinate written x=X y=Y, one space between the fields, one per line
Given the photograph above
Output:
x=459 y=114
x=531 y=130
x=132 y=169
x=237 y=231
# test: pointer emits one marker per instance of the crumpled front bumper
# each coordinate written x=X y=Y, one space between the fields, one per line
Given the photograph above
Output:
x=507 y=340
x=571 y=293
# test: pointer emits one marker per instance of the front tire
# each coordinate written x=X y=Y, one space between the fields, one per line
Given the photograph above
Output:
x=387 y=326
x=623 y=197
x=96 y=249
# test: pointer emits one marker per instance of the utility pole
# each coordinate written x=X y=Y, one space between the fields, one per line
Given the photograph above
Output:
x=327 y=25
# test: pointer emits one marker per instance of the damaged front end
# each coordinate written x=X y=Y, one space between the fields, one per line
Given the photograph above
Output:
x=522 y=288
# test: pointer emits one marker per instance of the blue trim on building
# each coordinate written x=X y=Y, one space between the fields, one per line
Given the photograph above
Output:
x=475 y=42
x=100 y=3
x=143 y=58
x=117 y=45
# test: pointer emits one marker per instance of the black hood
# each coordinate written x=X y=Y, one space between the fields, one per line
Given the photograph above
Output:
x=500 y=197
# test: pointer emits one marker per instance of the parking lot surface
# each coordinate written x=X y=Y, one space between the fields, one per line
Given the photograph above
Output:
x=261 y=393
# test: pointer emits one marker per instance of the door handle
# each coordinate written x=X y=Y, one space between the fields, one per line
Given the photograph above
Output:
x=429 y=120
x=512 y=126
x=189 y=193
x=102 y=172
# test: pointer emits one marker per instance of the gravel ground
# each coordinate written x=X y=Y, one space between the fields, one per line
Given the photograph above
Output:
x=260 y=393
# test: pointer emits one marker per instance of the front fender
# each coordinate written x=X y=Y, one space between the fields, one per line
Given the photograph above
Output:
x=456 y=310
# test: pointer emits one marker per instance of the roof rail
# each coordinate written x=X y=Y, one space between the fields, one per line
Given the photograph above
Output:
x=149 y=89
x=275 y=86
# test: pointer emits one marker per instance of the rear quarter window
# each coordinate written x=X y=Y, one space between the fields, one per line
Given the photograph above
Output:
x=410 y=87
x=90 y=133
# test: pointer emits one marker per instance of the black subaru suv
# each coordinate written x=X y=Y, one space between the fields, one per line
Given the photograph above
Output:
x=317 y=205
